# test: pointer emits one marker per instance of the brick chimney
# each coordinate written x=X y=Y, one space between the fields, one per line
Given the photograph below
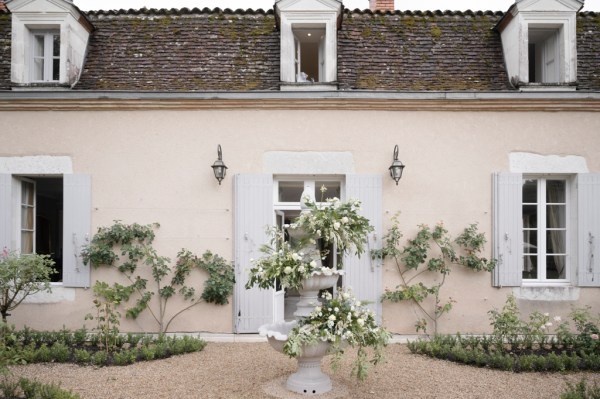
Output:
x=381 y=5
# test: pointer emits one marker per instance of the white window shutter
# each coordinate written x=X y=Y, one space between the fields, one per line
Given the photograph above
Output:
x=507 y=230
x=253 y=212
x=6 y=206
x=588 y=238
x=77 y=208
x=364 y=275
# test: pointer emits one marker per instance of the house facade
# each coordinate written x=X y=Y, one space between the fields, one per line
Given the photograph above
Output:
x=117 y=115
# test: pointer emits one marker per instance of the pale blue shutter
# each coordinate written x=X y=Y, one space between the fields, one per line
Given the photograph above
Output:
x=253 y=212
x=588 y=237
x=364 y=275
x=6 y=206
x=507 y=229
x=77 y=208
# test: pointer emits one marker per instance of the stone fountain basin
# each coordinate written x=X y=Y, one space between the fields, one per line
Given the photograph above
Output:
x=277 y=334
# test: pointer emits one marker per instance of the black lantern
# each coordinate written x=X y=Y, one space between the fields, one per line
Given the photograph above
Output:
x=397 y=166
x=219 y=166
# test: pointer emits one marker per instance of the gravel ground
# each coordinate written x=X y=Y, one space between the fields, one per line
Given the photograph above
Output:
x=255 y=370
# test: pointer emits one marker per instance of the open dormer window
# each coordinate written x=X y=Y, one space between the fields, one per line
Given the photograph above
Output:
x=45 y=59
x=539 y=44
x=308 y=43
x=544 y=55
x=309 y=60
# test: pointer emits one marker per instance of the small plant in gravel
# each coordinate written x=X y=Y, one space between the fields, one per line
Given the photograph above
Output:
x=23 y=388
x=432 y=251
x=134 y=244
x=581 y=390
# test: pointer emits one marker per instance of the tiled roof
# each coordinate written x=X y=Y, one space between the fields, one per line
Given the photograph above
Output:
x=182 y=50
x=207 y=50
x=5 y=48
x=421 y=51
x=2 y=6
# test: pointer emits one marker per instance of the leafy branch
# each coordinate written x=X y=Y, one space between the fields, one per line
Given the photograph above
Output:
x=128 y=247
x=431 y=251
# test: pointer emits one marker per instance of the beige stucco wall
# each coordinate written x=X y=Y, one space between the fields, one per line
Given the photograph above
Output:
x=154 y=166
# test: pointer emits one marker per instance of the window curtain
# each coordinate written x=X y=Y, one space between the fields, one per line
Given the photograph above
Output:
x=556 y=215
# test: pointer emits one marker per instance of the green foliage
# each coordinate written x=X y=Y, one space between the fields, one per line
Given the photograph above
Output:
x=128 y=248
x=107 y=316
x=506 y=322
x=581 y=390
x=431 y=251
x=82 y=356
x=20 y=276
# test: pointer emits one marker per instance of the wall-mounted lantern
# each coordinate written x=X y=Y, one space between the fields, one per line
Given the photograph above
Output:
x=219 y=166
x=397 y=167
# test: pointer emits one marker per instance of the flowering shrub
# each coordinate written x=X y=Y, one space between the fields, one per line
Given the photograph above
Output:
x=335 y=222
x=341 y=320
x=289 y=266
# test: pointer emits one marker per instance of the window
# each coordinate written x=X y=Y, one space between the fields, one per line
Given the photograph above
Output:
x=546 y=229
x=545 y=232
x=47 y=214
x=309 y=53
x=45 y=61
x=544 y=55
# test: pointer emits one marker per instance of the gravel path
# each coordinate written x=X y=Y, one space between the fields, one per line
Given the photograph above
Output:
x=254 y=370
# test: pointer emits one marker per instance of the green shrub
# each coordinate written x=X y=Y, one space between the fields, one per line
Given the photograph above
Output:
x=9 y=387
x=147 y=353
x=100 y=358
x=161 y=350
x=82 y=356
x=60 y=352
x=80 y=336
x=43 y=354
x=125 y=357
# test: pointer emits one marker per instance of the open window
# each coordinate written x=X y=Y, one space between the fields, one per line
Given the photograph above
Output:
x=544 y=55
x=309 y=57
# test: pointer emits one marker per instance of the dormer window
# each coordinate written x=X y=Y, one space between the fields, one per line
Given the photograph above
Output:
x=48 y=43
x=308 y=43
x=45 y=56
x=539 y=44
x=309 y=60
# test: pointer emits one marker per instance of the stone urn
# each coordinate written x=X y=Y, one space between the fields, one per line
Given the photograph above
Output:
x=309 y=379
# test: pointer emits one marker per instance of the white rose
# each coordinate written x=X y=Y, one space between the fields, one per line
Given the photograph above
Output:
x=287 y=270
x=345 y=220
x=332 y=317
x=301 y=269
x=295 y=256
x=358 y=303
x=360 y=322
x=345 y=295
x=336 y=225
x=319 y=233
x=313 y=263
x=318 y=309
x=557 y=319
x=336 y=309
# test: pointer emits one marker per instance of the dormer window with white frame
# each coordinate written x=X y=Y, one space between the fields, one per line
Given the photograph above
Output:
x=45 y=56
x=539 y=44
x=308 y=43
x=48 y=43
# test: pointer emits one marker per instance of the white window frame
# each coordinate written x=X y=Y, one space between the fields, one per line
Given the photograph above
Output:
x=308 y=180
x=48 y=57
x=21 y=205
x=542 y=230
x=545 y=73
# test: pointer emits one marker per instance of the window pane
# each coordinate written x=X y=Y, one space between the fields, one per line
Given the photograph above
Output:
x=530 y=242
x=555 y=267
x=55 y=69
x=38 y=69
x=27 y=193
x=555 y=191
x=530 y=266
x=27 y=242
x=56 y=45
x=529 y=191
x=332 y=190
x=555 y=241
x=556 y=216
x=27 y=218
x=529 y=216
x=290 y=191
x=38 y=45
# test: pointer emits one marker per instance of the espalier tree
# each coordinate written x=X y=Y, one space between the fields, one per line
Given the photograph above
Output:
x=431 y=252
x=128 y=248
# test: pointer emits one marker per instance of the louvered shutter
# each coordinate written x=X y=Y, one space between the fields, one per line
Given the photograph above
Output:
x=253 y=212
x=6 y=224
x=364 y=274
x=588 y=237
x=77 y=208
x=507 y=229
